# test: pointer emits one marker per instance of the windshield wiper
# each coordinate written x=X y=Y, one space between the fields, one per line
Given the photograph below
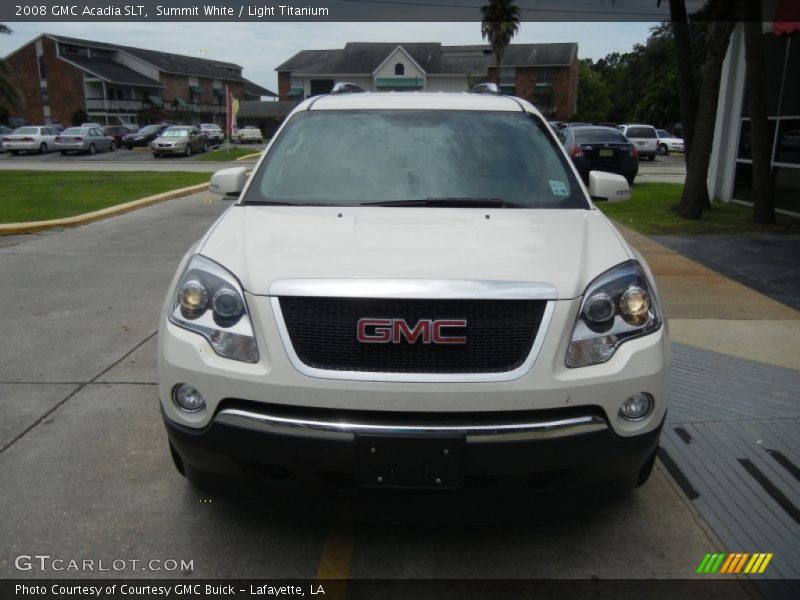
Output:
x=455 y=201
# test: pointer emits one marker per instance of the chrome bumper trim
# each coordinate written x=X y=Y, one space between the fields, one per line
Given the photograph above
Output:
x=346 y=431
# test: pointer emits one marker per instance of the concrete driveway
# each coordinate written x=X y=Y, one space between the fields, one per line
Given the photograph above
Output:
x=86 y=472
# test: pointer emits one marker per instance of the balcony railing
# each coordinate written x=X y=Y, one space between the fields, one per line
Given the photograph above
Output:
x=114 y=105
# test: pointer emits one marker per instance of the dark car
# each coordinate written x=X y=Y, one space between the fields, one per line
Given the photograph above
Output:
x=595 y=148
x=118 y=132
x=144 y=136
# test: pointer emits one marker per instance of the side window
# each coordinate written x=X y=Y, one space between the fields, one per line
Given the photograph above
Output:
x=399 y=69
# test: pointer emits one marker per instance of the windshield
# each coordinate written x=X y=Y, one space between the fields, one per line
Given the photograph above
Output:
x=600 y=136
x=175 y=133
x=347 y=158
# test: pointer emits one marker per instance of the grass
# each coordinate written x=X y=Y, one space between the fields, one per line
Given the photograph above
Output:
x=225 y=155
x=44 y=195
x=652 y=210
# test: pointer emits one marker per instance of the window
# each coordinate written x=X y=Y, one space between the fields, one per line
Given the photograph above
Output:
x=399 y=69
x=42 y=72
x=642 y=133
x=508 y=76
x=599 y=136
x=345 y=158
x=544 y=76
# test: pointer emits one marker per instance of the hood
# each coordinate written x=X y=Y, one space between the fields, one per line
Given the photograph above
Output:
x=565 y=248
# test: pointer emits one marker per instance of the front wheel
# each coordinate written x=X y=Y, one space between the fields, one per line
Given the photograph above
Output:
x=112 y=147
x=42 y=148
x=663 y=150
x=188 y=150
x=205 y=146
x=92 y=149
x=651 y=158
x=63 y=153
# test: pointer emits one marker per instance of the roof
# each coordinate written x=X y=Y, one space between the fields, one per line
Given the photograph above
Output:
x=417 y=101
x=111 y=71
x=253 y=89
x=165 y=61
x=363 y=58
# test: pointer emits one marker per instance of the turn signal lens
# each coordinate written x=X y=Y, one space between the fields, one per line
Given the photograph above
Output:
x=635 y=306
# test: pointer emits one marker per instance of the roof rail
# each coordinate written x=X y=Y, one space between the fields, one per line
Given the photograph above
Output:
x=486 y=88
x=344 y=87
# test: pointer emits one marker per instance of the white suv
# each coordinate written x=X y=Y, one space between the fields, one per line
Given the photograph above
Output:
x=414 y=292
x=644 y=137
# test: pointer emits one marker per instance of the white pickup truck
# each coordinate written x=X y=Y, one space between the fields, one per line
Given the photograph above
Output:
x=414 y=292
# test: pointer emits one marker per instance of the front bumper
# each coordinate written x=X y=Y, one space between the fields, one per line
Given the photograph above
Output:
x=168 y=150
x=524 y=452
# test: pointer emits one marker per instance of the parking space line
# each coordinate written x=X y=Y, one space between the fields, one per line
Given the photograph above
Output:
x=334 y=562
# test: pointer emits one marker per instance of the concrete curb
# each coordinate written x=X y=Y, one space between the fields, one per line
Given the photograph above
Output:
x=111 y=211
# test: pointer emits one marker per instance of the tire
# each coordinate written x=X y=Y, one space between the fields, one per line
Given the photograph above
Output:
x=647 y=469
x=630 y=180
x=92 y=149
x=651 y=158
x=14 y=152
x=156 y=155
x=663 y=150
x=188 y=152
x=63 y=153
x=112 y=147
x=42 y=148
x=205 y=146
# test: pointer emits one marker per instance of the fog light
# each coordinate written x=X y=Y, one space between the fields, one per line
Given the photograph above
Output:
x=636 y=407
x=188 y=398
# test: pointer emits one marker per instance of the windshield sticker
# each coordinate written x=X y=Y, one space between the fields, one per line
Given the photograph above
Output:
x=559 y=188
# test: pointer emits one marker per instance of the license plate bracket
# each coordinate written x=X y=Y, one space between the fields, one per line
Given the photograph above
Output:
x=410 y=462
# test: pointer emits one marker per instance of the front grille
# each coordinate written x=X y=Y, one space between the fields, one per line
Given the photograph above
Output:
x=499 y=334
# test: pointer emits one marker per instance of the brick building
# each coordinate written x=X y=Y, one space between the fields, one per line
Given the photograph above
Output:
x=59 y=77
x=545 y=74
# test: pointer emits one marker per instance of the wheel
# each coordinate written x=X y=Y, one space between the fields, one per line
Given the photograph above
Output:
x=92 y=149
x=63 y=153
x=651 y=158
x=647 y=469
x=205 y=146
x=663 y=150
x=630 y=180
x=156 y=155
x=112 y=147
x=42 y=148
x=188 y=150
x=14 y=152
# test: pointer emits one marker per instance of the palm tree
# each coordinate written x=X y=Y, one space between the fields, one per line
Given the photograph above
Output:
x=500 y=23
x=9 y=95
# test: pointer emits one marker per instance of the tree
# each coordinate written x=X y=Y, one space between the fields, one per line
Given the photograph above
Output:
x=10 y=97
x=687 y=92
x=500 y=23
x=594 y=99
x=760 y=134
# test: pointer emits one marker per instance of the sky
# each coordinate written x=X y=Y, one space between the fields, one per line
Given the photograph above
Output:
x=260 y=47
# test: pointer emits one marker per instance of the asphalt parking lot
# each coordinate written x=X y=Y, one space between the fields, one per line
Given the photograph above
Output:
x=87 y=473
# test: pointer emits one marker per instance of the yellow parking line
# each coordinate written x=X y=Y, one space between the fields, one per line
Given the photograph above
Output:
x=334 y=563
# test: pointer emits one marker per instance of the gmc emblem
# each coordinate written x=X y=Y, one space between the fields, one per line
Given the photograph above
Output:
x=394 y=331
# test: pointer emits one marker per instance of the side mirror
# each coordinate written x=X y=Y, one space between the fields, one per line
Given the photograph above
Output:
x=228 y=182
x=608 y=186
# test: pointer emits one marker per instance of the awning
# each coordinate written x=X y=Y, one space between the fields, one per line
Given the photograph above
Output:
x=197 y=89
x=787 y=18
x=153 y=99
x=398 y=82
x=180 y=103
x=296 y=92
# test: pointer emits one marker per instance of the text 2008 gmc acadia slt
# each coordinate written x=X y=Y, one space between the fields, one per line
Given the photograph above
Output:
x=414 y=292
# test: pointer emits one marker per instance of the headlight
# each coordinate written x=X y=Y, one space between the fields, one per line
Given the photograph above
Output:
x=210 y=301
x=617 y=306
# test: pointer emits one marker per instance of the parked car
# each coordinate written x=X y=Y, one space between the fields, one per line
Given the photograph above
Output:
x=247 y=135
x=4 y=131
x=644 y=137
x=213 y=133
x=515 y=344
x=32 y=138
x=668 y=143
x=92 y=124
x=144 y=136
x=179 y=139
x=57 y=126
x=118 y=132
x=84 y=139
x=595 y=148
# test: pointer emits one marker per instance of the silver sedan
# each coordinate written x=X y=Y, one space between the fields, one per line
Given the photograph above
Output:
x=33 y=138
x=84 y=139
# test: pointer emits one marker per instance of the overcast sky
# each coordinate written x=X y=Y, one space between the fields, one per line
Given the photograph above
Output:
x=260 y=47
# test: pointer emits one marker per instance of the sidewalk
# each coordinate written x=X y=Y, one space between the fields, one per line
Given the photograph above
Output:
x=732 y=437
